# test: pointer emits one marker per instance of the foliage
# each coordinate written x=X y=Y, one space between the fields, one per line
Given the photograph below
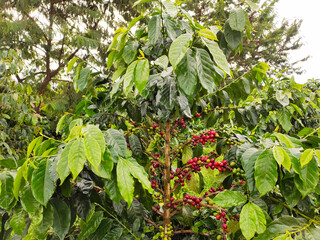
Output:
x=172 y=146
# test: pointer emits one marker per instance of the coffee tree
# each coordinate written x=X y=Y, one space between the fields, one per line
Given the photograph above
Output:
x=172 y=147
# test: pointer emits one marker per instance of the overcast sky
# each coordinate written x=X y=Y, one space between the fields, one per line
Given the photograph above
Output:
x=309 y=12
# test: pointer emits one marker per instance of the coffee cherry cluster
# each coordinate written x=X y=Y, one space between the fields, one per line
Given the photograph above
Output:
x=154 y=184
x=169 y=232
x=204 y=138
x=180 y=175
x=180 y=122
x=193 y=201
x=222 y=217
x=173 y=204
x=197 y=162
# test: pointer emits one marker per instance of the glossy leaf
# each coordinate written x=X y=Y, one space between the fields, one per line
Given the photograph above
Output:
x=306 y=157
x=284 y=139
x=61 y=122
x=154 y=27
x=205 y=70
x=248 y=221
x=33 y=145
x=18 y=220
x=178 y=49
x=82 y=82
x=141 y=74
x=6 y=189
x=106 y=165
x=187 y=74
x=130 y=51
x=128 y=78
x=232 y=37
x=28 y=202
x=116 y=140
x=76 y=157
x=43 y=181
x=184 y=106
x=62 y=165
x=125 y=180
x=95 y=132
x=229 y=199
x=217 y=54
x=266 y=172
x=207 y=34
x=237 y=20
x=162 y=61
x=290 y=192
x=18 y=181
x=112 y=189
x=171 y=8
x=284 y=118
x=61 y=217
x=282 y=157
x=91 y=225
x=92 y=151
x=71 y=63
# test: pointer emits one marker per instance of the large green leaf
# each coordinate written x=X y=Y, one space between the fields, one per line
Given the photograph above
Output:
x=306 y=157
x=76 y=157
x=116 y=140
x=282 y=157
x=248 y=160
x=179 y=48
x=106 y=165
x=266 y=172
x=205 y=70
x=43 y=181
x=112 y=189
x=28 y=202
x=33 y=145
x=83 y=78
x=125 y=180
x=18 y=220
x=92 y=151
x=139 y=173
x=229 y=199
x=62 y=165
x=154 y=29
x=61 y=217
x=187 y=74
x=171 y=8
x=135 y=145
x=41 y=230
x=248 y=221
x=284 y=118
x=310 y=178
x=102 y=230
x=91 y=225
x=290 y=192
x=261 y=219
x=184 y=105
x=95 y=132
x=141 y=74
x=71 y=63
x=237 y=20
x=232 y=37
x=217 y=54
x=284 y=139
x=130 y=51
x=18 y=181
x=128 y=77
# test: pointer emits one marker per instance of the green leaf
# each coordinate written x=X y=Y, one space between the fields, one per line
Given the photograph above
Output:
x=248 y=221
x=125 y=181
x=171 y=27
x=252 y=5
x=179 y=48
x=171 y=8
x=61 y=217
x=83 y=78
x=43 y=181
x=237 y=20
x=134 y=21
x=106 y=166
x=128 y=77
x=141 y=74
x=290 y=192
x=162 y=61
x=282 y=98
x=207 y=34
x=309 y=176
x=187 y=154
x=248 y=160
x=141 y=1
x=184 y=105
x=92 y=151
x=33 y=145
x=47 y=221
x=61 y=123
x=95 y=132
x=102 y=230
x=111 y=58
x=62 y=165
x=282 y=157
x=18 y=220
x=229 y=199
x=306 y=157
x=266 y=173
x=154 y=27
x=139 y=173
x=28 y=202
x=135 y=145
x=284 y=118
x=17 y=182
x=217 y=54
x=117 y=73
x=76 y=157
x=112 y=189
x=116 y=140
x=284 y=139
x=305 y=132
x=130 y=51
x=71 y=63
x=261 y=219
x=205 y=70
x=187 y=74
x=232 y=37
x=6 y=189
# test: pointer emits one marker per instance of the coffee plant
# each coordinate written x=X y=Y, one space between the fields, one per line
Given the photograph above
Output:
x=172 y=145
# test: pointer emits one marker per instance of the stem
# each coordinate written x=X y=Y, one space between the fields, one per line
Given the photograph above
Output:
x=167 y=187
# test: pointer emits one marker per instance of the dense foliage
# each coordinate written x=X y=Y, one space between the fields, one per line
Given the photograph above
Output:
x=172 y=146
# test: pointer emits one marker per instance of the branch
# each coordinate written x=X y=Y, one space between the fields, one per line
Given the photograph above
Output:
x=191 y=232
x=151 y=222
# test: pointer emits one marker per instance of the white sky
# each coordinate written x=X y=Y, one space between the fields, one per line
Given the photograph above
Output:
x=308 y=11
